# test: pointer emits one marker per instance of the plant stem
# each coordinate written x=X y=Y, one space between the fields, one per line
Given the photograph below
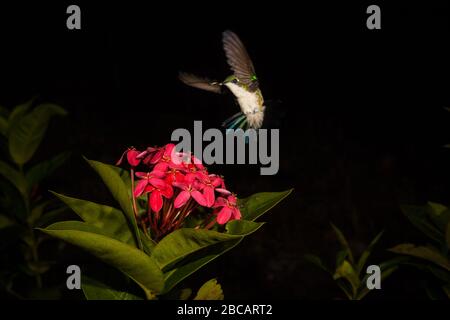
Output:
x=33 y=242
x=35 y=255
x=135 y=211
x=210 y=224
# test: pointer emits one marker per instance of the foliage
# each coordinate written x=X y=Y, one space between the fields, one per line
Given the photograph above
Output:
x=433 y=220
x=152 y=262
x=349 y=271
x=22 y=206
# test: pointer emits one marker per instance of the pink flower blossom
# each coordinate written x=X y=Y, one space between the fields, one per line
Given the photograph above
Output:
x=156 y=194
x=153 y=178
x=226 y=209
x=208 y=184
x=132 y=157
x=188 y=191
x=171 y=179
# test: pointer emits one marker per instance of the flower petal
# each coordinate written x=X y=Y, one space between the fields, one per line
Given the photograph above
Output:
x=158 y=173
x=180 y=185
x=161 y=166
x=167 y=191
x=140 y=186
x=224 y=215
x=220 y=202
x=199 y=197
x=159 y=183
x=236 y=214
x=157 y=156
x=132 y=157
x=208 y=193
x=232 y=200
x=156 y=200
x=141 y=174
x=181 y=199
x=119 y=162
x=169 y=150
x=223 y=191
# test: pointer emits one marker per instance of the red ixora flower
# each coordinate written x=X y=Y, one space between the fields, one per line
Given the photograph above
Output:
x=153 y=179
x=156 y=194
x=227 y=209
x=188 y=190
x=176 y=184
x=209 y=184
x=132 y=157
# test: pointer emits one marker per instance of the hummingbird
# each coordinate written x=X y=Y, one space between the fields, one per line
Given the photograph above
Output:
x=243 y=84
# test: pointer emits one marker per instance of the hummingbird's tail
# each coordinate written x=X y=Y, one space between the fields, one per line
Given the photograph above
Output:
x=236 y=121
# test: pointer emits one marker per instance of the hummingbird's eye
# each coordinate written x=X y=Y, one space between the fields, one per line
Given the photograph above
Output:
x=234 y=81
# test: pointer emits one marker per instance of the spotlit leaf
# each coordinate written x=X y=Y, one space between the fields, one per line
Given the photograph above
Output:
x=210 y=290
x=259 y=203
x=119 y=191
x=132 y=262
x=104 y=217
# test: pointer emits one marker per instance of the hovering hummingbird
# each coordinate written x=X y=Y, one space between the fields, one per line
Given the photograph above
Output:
x=243 y=83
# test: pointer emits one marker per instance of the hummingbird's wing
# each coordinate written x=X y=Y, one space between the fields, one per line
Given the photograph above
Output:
x=239 y=60
x=200 y=83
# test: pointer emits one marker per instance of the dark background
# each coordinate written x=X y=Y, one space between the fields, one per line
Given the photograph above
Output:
x=361 y=117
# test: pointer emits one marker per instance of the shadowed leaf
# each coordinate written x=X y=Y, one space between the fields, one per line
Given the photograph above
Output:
x=26 y=136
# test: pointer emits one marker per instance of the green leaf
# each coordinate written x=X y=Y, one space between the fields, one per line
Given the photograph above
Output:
x=44 y=169
x=317 y=261
x=426 y=253
x=120 y=192
x=346 y=288
x=387 y=268
x=132 y=262
x=418 y=216
x=256 y=205
x=439 y=214
x=147 y=243
x=17 y=113
x=242 y=227
x=343 y=241
x=36 y=212
x=4 y=112
x=340 y=257
x=185 y=294
x=346 y=271
x=124 y=175
x=366 y=253
x=96 y=290
x=3 y=126
x=104 y=217
x=26 y=136
x=211 y=290
x=186 y=250
x=183 y=242
x=446 y=289
x=195 y=261
x=5 y=222
x=447 y=236
x=12 y=201
x=15 y=178
x=51 y=216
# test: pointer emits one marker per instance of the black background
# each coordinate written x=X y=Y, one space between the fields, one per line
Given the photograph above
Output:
x=361 y=117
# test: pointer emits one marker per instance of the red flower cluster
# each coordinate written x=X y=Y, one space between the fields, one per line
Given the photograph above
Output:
x=177 y=183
